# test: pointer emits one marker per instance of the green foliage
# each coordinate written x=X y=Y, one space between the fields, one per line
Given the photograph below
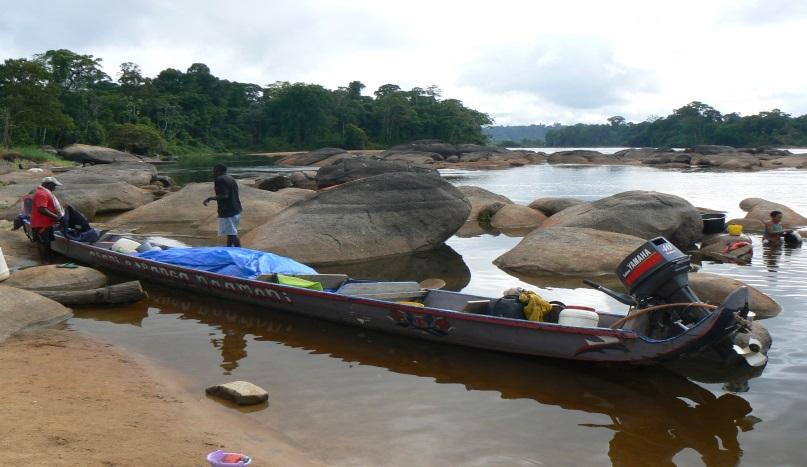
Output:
x=137 y=139
x=62 y=97
x=33 y=154
x=693 y=124
x=355 y=137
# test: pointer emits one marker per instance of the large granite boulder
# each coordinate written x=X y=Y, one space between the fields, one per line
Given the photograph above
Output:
x=346 y=170
x=708 y=149
x=794 y=162
x=462 y=148
x=133 y=173
x=331 y=159
x=568 y=250
x=273 y=182
x=443 y=263
x=89 y=199
x=11 y=194
x=21 y=310
x=760 y=209
x=310 y=158
x=483 y=200
x=102 y=198
x=420 y=158
x=581 y=156
x=550 y=206
x=183 y=212
x=516 y=216
x=384 y=215
x=713 y=289
x=33 y=175
x=644 y=214
x=638 y=154
x=258 y=209
x=425 y=145
x=56 y=278
x=659 y=158
x=84 y=153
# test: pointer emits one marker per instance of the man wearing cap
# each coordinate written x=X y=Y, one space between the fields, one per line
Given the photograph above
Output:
x=45 y=213
x=229 y=204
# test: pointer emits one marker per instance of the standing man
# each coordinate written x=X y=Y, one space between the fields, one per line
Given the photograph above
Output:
x=229 y=204
x=45 y=213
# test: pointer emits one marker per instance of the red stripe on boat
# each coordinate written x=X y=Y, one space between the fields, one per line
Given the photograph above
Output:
x=648 y=263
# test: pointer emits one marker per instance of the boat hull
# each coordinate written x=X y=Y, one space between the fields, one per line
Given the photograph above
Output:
x=435 y=324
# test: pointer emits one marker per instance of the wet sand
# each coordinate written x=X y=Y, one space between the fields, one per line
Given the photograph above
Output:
x=69 y=400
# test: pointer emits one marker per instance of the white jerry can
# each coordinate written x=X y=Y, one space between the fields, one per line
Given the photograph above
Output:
x=3 y=267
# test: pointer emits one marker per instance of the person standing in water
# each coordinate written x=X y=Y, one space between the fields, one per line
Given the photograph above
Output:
x=229 y=204
x=773 y=228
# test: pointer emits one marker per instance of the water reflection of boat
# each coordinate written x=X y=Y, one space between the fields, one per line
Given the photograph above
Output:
x=651 y=411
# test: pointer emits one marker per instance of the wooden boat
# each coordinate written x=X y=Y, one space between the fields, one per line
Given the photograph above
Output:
x=440 y=315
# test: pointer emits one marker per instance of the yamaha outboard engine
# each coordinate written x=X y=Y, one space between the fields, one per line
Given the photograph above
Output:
x=655 y=274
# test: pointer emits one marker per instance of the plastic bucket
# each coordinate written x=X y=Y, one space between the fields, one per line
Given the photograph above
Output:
x=735 y=229
x=579 y=318
x=4 y=273
x=217 y=459
x=713 y=222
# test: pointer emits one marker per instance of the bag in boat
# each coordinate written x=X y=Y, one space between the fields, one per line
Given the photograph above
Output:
x=236 y=262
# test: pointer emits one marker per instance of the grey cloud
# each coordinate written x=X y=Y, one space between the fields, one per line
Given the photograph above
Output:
x=283 y=38
x=571 y=72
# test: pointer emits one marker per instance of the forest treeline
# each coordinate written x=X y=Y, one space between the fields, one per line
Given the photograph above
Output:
x=61 y=97
x=693 y=124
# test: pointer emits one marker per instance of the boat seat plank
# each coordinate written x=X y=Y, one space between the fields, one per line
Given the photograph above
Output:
x=394 y=296
x=374 y=288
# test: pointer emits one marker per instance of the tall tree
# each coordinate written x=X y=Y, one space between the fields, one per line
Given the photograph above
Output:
x=29 y=101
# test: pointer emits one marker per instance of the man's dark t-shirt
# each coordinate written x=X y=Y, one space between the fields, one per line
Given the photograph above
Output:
x=226 y=187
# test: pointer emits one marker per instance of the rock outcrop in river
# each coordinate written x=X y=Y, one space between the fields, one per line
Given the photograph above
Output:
x=568 y=250
x=644 y=214
x=380 y=216
x=84 y=153
x=347 y=170
x=759 y=209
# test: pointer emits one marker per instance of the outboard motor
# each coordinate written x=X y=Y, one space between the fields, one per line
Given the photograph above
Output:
x=655 y=274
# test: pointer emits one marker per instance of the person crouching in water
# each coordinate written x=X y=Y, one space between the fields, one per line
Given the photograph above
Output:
x=229 y=204
x=774 y=230
x=45 y=214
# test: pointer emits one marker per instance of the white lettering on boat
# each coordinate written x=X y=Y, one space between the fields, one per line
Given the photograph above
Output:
x=637 y=260
x=233 y=286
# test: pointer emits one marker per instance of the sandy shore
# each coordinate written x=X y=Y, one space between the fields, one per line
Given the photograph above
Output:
x=70 y=400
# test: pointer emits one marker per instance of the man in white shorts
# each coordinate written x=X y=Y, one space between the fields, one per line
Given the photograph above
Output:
x=229 y=204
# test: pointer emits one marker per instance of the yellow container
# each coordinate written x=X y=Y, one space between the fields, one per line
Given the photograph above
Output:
x=735 y=229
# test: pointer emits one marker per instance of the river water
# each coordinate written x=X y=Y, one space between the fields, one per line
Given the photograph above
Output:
x=354 y=397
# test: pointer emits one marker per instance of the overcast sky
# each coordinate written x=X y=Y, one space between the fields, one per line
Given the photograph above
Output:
x=521 y=62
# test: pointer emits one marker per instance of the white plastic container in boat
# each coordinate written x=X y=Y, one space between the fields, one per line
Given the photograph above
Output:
x=4 y=273
x=125 y=245
x=579 y=318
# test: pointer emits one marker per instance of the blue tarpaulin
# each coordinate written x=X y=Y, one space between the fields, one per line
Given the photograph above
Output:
x=237 y=262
